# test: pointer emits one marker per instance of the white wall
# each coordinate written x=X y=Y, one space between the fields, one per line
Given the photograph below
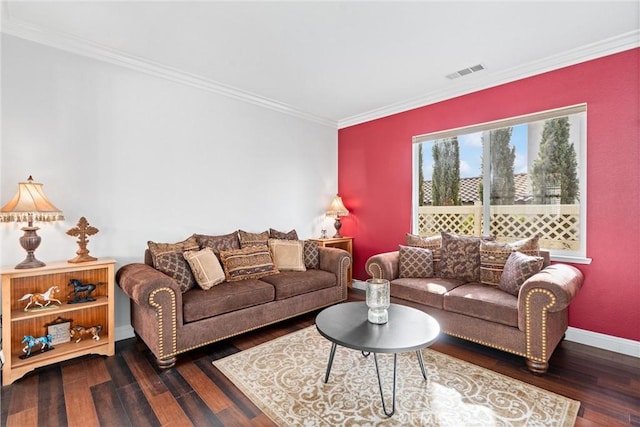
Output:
x=144 y=158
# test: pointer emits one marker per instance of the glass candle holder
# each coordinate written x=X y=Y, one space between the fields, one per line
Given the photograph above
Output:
x=378 y=300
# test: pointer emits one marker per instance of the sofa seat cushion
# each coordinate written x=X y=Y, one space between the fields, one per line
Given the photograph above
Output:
x=226 y=297
x=291 y=283
x=484 y=302
x=428 y=291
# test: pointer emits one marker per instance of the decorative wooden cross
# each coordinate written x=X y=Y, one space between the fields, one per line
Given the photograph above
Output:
x=82 y=230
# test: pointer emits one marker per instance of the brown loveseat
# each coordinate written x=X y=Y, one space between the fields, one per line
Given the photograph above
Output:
x=171 y=320
x=529 y=322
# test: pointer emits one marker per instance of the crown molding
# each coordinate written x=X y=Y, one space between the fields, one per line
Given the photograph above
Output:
x=479 y=82
x=87 y=48
x=84 y=47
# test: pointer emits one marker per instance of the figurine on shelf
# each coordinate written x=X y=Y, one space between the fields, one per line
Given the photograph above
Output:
x=78 y=332
x=81 y=292
x=42 y=300
x=44 y=342
x=81 y=231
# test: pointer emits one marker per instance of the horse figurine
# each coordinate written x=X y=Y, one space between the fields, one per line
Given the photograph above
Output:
x=78 y=332
x=44 y=342
x=78 y=288
x=42 y=300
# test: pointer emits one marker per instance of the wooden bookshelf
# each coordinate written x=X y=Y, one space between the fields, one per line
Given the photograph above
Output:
x=16 y=322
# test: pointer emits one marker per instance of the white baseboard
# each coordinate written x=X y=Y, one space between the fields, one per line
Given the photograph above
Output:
x=359 y=284
x=605 y=342
x=581 y=336
x=124 y=332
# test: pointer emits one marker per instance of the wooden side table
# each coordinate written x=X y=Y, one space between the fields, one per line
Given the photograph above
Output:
x=18 y=323
x=345 y=243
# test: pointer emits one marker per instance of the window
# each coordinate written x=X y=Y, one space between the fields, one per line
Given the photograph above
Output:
x=509 y=179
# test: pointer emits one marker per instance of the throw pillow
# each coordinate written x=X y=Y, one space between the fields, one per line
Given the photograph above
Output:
x=518 y=268
x=287 y=254
x=156 y=249
x=311 y=255
x=415 y=262
x=289 y=235
x=493 y=256
x=205 y=267
x=175 y=266
x=432 y=242
x=253 y=239
x=252 y=262
x=460 y=257
x=224 y=242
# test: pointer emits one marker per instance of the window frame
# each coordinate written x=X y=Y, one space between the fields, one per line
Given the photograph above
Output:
x=578 y=256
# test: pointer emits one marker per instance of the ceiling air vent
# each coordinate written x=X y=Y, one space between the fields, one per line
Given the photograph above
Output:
x=465 y=71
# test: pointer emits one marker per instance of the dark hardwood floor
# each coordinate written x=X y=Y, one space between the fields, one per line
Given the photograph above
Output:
x=128 y=390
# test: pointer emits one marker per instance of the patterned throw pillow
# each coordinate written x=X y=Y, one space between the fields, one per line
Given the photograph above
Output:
x=415 y=262
x=225 y=242
x=289 y=235
x=493 y=256
x=175 y=266
x=190 y=244
x=252 y=262
x=460 y=257
x=205 y=267
x=287 y=254
x=518 y=268
x=311 y=255
x=253 y=239
x=432 y=242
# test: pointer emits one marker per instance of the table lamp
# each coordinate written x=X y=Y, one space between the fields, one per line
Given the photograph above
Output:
x=336 y=209
x=30 y=204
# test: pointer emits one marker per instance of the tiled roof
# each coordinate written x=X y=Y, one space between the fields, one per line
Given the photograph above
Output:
x=469 y=189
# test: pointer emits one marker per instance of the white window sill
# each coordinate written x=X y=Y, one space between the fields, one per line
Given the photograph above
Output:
x=571 y=259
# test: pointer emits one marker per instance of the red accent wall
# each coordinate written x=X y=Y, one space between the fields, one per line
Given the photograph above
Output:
x=375 y=176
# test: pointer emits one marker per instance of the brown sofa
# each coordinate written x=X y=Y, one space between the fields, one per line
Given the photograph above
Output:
x=171 y=322
x=530 y=324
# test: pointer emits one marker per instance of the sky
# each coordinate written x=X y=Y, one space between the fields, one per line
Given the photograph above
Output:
x=471 y=153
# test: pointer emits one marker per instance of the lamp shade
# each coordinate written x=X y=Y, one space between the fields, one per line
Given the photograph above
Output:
x=337 y=208
x=30 y=204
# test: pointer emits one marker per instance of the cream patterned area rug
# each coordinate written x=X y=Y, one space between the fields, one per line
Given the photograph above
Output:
x=285 y=379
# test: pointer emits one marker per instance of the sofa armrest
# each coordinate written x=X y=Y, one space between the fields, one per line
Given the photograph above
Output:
x=336 y=261
x=559 y=282
x=141 y=282
x=384 y=265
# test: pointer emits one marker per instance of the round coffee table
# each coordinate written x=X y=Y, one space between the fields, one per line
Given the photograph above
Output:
x=408 y=329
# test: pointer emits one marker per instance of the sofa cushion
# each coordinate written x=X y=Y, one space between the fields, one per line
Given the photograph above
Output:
x=291 y=283
x=224 y=242
x=288 y=255
x=484 y=302
x=493 y=256
x=252 y=262
x=175 y=266
x=224 y=298
x=253 y=239
x=311 y=255
x=415 y=262
x=518 y=268
x=460 y=257
x=205 y=267
x=428 y=291
x=189 y=244
x=289 y=235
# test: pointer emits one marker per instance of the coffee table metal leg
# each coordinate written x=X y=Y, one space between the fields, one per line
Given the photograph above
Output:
x=424 y=374
x=384 y=407
x=333 y=353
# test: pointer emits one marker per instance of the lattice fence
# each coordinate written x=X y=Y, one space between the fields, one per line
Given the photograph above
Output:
x=557 y=225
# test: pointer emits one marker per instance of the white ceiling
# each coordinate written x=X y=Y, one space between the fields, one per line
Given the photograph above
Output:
x=338 y=63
